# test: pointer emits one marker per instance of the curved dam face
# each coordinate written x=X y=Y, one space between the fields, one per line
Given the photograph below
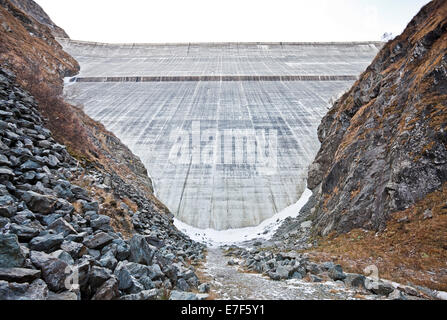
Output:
x=226 y=131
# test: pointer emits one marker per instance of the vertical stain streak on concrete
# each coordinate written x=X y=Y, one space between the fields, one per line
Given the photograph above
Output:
x=145 y=92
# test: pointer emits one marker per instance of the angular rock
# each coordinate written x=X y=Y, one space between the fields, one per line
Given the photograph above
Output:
x=382 y=288
x=90 y=206
x=232 y=262
x=355 y=280
x=284 y=272
x=136 y=287
x=397 y=295
x=75 y=249
x=46 y=243
x=98 y=241
x=100 y=221
x=63 y=296
x=147 y=283
x=108 y=260
x=182 y=285
x=98 y=276
x=39 y=259
x=24 y=233
x=122 y=252
x=19 y=275
x=11 y=255
x=273 y=275
x=4 y=222
x=315 y=278
x=6 y=172
x=313 y=268
x=155 y=272
x=108 y=290
x=125 y=279
x=62 y=226
x=64 y=256
x=39 y=203
x=37 y=290
x=336 y=273
x=138 y=270
x=8 y=207
x=55 y=273
x=141 y=251
x=13 y=291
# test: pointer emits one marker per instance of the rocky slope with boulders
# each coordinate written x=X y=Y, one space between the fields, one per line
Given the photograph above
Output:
x=55 y=234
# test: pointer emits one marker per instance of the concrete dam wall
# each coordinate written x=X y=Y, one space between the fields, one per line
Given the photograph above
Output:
x=226 y=131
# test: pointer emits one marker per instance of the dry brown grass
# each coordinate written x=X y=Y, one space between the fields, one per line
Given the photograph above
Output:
x=111 y=207
x=62 y=118
x=132 y=205
x=409 y=251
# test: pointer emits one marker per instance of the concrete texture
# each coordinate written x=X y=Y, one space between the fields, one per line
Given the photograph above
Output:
x=224 y=189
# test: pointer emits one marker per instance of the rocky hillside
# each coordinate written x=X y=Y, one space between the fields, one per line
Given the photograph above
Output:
x=34 y=10
x=384 y=143
x=59 y=220
x=71 y=194
x=379 y=179
x=29 y=47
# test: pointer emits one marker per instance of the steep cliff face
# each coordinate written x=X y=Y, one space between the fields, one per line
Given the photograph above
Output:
x=34 y=10
x=384 y=142
x=29 y=47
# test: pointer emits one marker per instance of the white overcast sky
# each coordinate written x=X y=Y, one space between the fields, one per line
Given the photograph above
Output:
x=230 y=20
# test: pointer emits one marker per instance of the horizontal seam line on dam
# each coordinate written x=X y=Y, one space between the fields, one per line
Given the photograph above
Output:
x=216 y=78
x=208 y=44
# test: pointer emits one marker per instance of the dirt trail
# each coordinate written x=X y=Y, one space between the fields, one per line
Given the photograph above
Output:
x=230 y=283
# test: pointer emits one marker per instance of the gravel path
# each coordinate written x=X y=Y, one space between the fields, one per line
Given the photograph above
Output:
x=230 y=283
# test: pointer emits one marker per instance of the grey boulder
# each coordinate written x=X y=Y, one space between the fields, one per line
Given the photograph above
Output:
x=37 y=290
x=141 y=251
x=39 y=203
x=11 y=255
x=19 y=275
x=46 y=243
x=98 y=241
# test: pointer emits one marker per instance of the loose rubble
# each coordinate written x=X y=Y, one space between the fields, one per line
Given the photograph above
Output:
x=283 y=266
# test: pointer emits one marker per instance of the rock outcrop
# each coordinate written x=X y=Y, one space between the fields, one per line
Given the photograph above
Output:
x=384 y=142
x=34 y=10
x=29 y=47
